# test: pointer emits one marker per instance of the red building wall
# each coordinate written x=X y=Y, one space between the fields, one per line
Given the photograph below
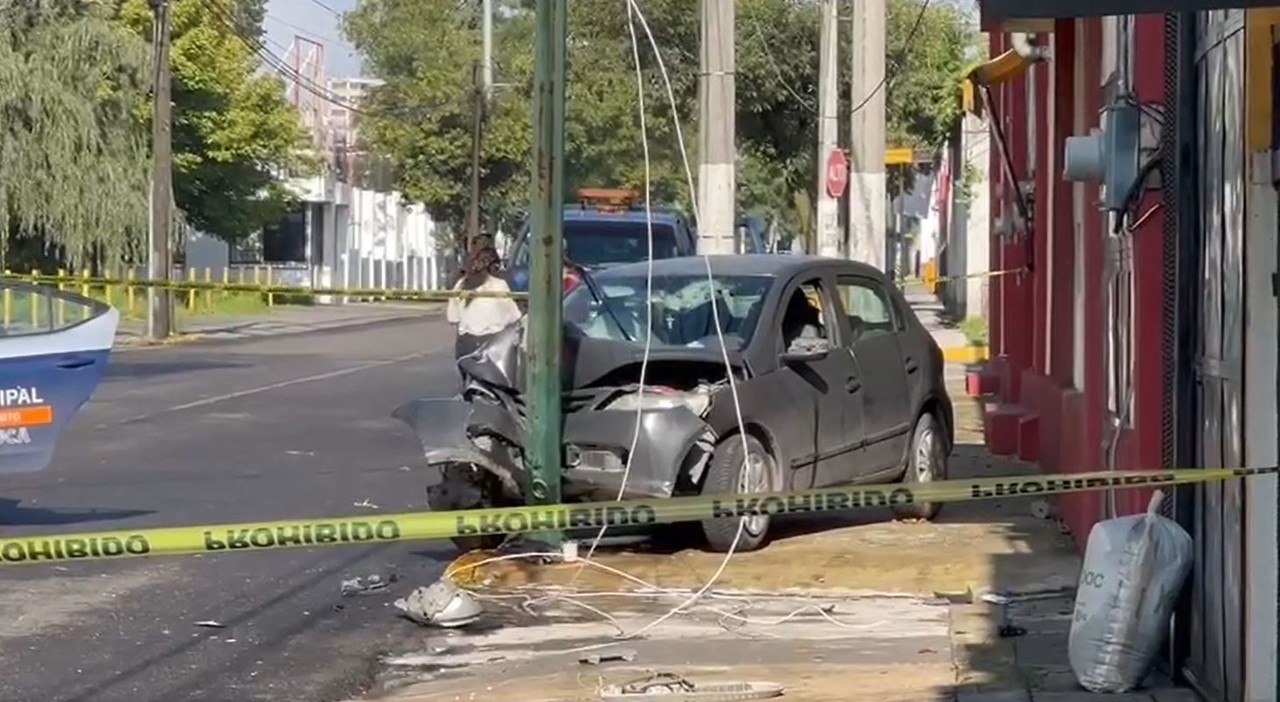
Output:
x=1034 y=406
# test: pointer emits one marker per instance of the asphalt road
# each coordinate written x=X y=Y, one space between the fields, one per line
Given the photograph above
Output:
x=279 y=428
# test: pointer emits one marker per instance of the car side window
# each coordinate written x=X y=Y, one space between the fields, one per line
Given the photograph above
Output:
x=899 y=313
x=26 y=309
x=866 y=304
x=804 y=316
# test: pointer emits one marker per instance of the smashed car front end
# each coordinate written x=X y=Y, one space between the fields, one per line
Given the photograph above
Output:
x=618 y=440
x=637 y=444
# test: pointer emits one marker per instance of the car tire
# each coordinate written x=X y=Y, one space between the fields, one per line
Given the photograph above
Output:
x=725 y=476
x=926 y=462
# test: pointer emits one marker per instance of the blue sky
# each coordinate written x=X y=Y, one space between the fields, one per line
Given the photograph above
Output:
x=318 y=21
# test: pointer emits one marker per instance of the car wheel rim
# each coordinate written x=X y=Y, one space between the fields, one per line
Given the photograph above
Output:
x=926 y=457
x=754 y=478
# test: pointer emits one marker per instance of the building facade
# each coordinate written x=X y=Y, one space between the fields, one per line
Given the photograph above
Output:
x=1148 y=340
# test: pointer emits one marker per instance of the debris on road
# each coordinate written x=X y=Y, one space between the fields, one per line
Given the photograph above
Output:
x=365 y=586
x=440 y=604
x=965 y=597
x=626 y=655
x=1005 y=597
x=366 y=504
x=210 y=624
x=668 y=686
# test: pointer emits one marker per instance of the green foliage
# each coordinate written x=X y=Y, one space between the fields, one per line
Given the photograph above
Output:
x=75 y=85
x=233 y=130
x=426 y=51
x=75 y=165
x=923 y=104
x=974 y=330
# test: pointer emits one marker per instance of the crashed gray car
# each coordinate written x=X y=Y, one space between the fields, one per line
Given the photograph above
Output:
x=837 y=383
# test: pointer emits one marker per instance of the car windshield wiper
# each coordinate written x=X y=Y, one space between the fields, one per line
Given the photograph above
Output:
x=598 y=296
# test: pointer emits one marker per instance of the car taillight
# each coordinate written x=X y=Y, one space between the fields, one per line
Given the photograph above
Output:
x=571 y=280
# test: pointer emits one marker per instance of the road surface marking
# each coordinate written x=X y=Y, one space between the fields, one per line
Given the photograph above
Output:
x=276 y=386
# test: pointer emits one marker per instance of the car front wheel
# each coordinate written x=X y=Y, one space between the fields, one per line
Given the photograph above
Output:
x=728 y=474
x=926 y=463
x=463 y=487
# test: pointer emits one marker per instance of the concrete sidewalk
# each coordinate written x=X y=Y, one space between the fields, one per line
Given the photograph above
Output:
x=955 y=345
x=835 y=609
x=279 y=320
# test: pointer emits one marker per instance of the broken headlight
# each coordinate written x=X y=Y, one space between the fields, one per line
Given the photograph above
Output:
x=660 y=398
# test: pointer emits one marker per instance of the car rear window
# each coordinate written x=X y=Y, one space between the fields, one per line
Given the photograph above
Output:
x=605 y=242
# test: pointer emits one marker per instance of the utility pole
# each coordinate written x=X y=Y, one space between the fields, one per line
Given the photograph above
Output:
x=482 y=91
x=828 y=205
x=486 y=42
x=544 y=329
x=160 y=258
x=477 y=136
x=717 y=142
x=866 y=136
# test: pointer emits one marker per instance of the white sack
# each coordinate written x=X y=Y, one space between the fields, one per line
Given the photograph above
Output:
x=1134 y=568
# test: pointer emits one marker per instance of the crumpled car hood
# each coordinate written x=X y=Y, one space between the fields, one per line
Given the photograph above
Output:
x=501 y=361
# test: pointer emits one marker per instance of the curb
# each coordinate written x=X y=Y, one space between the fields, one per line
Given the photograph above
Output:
x=176 y=340
x=196 y=337
x=964 y=354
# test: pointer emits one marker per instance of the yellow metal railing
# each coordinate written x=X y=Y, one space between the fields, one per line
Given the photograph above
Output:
x=200 y=293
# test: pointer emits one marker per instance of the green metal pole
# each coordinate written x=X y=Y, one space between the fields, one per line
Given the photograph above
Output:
x=543 y=453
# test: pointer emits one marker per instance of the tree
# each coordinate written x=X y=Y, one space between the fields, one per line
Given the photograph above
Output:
x=75 y=188
x=234 y=134
x=419 y=119
x=426 y=50
x=927 y=57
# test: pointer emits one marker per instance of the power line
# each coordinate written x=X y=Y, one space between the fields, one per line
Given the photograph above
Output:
x=275 y=62
x=326 y=8
x=308 y=32
x=906 y=45
x=768 y=53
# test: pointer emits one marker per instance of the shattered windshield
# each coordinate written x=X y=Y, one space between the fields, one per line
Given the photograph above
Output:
x=681 y=309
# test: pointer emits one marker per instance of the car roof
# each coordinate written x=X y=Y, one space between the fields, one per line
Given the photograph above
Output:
x=659 y=215
x=774 y=265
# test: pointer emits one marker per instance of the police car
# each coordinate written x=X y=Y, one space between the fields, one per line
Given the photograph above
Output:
x=609 y=227
x=54 y=347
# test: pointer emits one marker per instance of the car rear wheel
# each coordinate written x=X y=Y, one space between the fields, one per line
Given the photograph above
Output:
x=926 y=462
x=728 y=474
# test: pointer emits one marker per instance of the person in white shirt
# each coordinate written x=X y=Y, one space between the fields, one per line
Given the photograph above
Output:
x=479 y=318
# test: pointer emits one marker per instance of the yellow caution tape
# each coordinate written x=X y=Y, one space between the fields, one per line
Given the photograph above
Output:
x=212 y=286
x=936 y=279
x=267 y=536
x=376 y=293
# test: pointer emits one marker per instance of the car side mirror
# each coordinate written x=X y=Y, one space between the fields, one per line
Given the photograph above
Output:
x=806 y=351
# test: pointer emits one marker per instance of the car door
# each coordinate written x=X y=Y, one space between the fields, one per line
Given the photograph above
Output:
x=825 y=385
x=872 y=336
x=54 y=347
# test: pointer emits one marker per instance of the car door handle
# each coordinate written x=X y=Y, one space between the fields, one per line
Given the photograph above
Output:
x=853 y=384
x=911 y=365
x=74 y=363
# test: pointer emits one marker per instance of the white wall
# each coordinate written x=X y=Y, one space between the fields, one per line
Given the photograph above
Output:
x=368 y=240
x=968 y=239
x=1260 y=349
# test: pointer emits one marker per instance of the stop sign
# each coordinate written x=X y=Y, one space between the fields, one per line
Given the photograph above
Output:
x=837 y=173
